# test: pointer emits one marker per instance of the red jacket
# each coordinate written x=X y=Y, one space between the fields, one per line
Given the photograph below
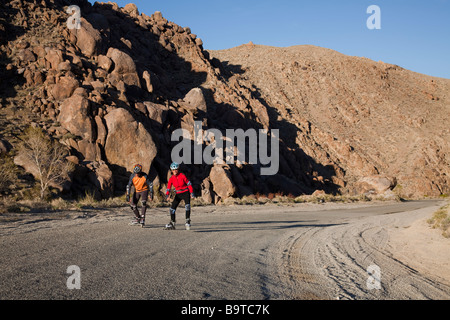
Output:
x=180 y=183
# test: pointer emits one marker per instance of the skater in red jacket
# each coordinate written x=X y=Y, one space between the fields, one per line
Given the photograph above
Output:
x=184 y=191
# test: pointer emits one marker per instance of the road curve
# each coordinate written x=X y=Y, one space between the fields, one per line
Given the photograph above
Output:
x=278 y=252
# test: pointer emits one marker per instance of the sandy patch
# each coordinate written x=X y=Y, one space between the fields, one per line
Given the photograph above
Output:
x=422 y=248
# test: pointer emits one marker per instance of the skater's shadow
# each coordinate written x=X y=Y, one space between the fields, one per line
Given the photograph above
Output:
x=258 y=226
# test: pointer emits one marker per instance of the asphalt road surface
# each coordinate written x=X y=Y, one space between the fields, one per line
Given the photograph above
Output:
x=236 y=253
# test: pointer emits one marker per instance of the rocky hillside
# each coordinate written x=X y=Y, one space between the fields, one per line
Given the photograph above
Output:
x=372 y=122
x=114 y=90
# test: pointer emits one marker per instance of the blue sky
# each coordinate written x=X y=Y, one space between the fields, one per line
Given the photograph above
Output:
x=414 y=34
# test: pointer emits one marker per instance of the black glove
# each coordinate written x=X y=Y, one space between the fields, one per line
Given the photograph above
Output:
x=128 y=198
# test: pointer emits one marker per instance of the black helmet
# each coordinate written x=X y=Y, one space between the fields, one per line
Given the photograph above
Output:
x=137 y=168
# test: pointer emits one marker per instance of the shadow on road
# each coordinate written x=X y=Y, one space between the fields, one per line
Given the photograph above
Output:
x=258 y=225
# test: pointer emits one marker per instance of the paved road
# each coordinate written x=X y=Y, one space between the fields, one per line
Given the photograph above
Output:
x=236 y=253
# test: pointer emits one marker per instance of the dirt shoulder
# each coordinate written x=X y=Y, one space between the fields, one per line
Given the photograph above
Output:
x=422 y=248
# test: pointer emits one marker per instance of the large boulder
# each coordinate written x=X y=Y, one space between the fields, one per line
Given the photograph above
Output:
x=64 y=88
x=104 y=62
x=146 y=76
x=157 y=113
x=131 y=9
x=101 y=177
x=124 y=67
x=53 y=57
x=123 y=63
x=207 y=192
x=128 y=142
x=88 y=39
x=195 y=99
x=375 y=184
x=220 y=177
x=74 y=117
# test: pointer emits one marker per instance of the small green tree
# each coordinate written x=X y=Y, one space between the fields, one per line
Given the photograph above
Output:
x=46 y=158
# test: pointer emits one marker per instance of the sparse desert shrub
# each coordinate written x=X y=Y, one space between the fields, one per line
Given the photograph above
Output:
x=441 y=220
x=46 y=158
x=7 y=173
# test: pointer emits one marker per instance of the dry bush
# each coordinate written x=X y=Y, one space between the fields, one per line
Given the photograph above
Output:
x=441 y=220
x=7 y=173
x=46 y=158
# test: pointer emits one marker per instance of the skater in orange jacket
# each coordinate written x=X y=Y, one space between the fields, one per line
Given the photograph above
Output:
x=143 y=190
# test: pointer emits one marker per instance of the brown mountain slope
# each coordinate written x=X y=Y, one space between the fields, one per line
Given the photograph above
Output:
x=365 y=118
x=115 y=90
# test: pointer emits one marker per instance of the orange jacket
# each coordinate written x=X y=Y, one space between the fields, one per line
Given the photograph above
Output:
x=140 y=183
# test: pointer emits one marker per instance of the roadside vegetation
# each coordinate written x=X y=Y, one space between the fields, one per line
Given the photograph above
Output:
x=45 y=158
x=7 y=173
x=88 y=201
x=441 y=220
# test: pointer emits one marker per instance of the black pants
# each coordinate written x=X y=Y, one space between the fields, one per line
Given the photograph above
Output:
x=186 y=197
x=143 y=196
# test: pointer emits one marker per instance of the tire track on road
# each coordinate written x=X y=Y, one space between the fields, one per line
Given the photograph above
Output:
x=331 y=262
